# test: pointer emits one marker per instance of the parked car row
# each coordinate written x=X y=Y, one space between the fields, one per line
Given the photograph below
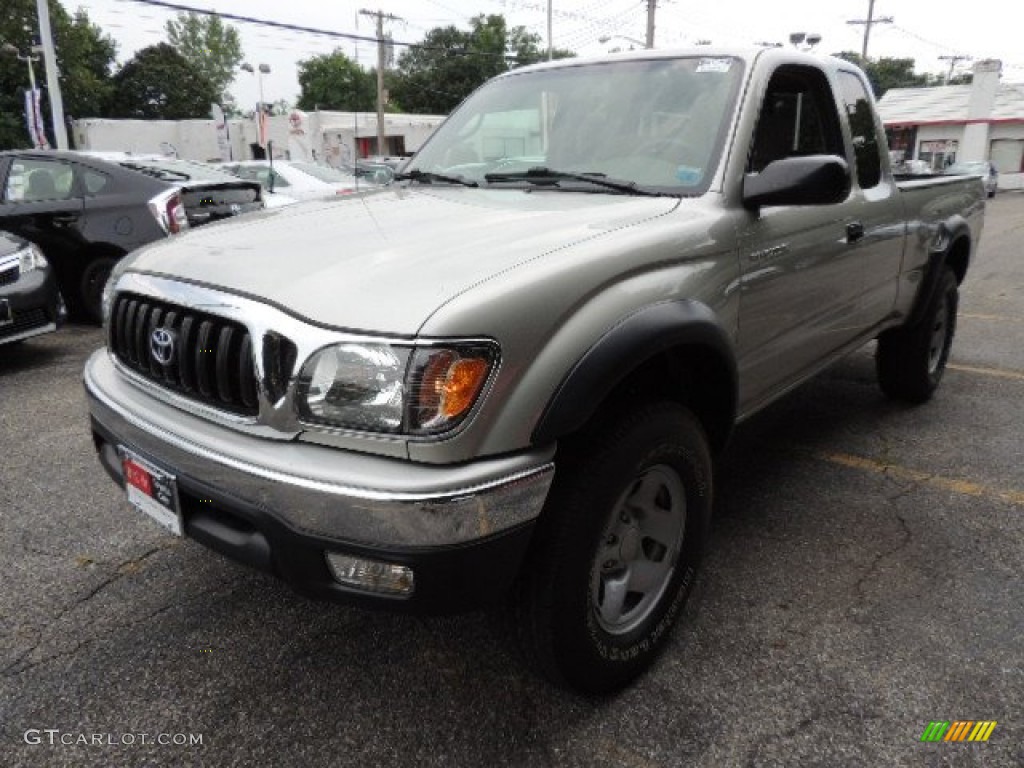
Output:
x=308 y=181
x=83 y=211
x=987 y=171
x=30 y=303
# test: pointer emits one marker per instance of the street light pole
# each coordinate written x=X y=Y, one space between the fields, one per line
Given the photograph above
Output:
x=260 y=71
x=38 y=127
x=28 y=58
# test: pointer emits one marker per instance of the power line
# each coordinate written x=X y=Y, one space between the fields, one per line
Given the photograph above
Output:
x=311 y=30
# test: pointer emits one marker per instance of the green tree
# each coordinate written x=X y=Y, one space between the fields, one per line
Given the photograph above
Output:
x=85 y=60
x=334 y=81
x=435 y=76
x=209 y=44
x=159 y=83
x=886 y=73
x=86 y=68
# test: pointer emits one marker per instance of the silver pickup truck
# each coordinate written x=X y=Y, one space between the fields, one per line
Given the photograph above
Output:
x=506 y=376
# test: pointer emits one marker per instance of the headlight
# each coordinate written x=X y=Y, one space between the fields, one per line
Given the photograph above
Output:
x=414 y=390
x=31 y=258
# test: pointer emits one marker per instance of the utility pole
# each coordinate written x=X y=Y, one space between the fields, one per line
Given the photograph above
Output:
x=952 y=64
x=380 y=15
x=550 y=48
x=651 y=5
x=60 y=130
x=868 y=23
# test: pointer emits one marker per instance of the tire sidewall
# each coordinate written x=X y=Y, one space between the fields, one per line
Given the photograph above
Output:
x=946 y=299
x=589 y=655
x=91 y=282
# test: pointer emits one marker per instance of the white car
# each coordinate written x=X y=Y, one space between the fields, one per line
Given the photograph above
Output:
x=298 y=180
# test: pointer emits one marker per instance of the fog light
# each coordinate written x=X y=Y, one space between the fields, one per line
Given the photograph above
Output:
x=370 y=575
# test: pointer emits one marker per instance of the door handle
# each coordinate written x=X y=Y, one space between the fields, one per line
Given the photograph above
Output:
x=64 y=218
x=854 y=231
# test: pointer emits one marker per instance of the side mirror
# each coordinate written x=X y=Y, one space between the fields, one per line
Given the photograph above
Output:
x=807 y=180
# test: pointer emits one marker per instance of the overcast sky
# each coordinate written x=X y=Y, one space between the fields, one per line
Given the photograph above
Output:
x=920 y=29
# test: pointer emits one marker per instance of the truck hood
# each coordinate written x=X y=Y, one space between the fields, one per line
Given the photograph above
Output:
x=385 y=262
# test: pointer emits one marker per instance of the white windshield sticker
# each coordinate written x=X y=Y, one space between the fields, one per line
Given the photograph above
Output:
x=714 y=65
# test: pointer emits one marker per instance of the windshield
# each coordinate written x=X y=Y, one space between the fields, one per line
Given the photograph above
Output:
x=657 y=123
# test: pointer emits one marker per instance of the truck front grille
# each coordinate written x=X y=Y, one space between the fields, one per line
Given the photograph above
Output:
x=201 y=356
x=9 y=275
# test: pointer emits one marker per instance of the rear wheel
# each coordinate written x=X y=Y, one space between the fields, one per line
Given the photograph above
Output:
x=617 y=548
x=91 y=284
x=910 y=361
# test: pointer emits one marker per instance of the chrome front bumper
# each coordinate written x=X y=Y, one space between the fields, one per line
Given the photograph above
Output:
x=321 y=491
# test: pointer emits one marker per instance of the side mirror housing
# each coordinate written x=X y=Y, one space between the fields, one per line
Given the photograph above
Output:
x=806 y=180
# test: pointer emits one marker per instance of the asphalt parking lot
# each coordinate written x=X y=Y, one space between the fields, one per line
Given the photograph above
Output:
x=864 y=579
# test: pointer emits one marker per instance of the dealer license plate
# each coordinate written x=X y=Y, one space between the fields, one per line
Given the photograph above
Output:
x=152 y=491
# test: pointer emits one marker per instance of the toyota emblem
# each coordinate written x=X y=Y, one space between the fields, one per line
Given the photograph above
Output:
x=161 y=346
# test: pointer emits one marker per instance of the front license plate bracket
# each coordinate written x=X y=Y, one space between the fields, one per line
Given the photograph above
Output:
x=152 y=491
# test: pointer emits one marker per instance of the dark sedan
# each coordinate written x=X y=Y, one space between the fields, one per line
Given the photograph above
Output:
x=30 y=303
x=85 y=212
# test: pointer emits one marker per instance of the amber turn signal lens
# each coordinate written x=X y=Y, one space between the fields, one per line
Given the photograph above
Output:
x=451 y=384
x=461 y=386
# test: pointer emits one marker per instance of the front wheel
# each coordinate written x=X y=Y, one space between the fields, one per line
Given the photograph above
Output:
x=910 y=361
x=617 y=547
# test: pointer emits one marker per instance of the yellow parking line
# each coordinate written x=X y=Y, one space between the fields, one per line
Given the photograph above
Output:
x=962 y=487
x=994 y=318
x=997 y=372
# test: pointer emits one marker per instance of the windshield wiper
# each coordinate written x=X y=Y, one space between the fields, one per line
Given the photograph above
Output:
x=430 y=176
x=549 y=176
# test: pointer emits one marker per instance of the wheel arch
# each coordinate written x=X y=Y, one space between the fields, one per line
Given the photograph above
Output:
x=673 y=349
x=951 y=247
x=102 y=249
x=958 y=255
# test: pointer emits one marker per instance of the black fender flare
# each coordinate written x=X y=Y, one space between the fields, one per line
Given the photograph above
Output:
x=635 y=340
x=948 y=233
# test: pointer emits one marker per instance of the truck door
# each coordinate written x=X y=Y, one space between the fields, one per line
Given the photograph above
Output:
x=801 y=281
x=880 y=218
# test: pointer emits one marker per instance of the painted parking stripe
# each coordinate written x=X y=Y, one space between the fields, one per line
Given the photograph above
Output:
x=993 y=318
x=962 y=487
x=997 y=372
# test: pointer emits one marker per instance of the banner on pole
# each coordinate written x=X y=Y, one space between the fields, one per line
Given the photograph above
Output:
x=34 y=119
x=223 y=136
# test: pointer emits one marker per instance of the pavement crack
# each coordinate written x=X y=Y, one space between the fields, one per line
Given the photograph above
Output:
x=125 y=568
x=906 y=535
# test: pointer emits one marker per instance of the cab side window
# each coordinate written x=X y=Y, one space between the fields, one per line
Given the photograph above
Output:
x=863 y=130
x=798 y=117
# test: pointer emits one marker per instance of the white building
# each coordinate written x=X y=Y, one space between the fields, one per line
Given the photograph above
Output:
x=336 y=138
x=981 y=121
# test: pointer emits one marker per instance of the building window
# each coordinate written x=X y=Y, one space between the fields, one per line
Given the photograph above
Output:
x=938 y=154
